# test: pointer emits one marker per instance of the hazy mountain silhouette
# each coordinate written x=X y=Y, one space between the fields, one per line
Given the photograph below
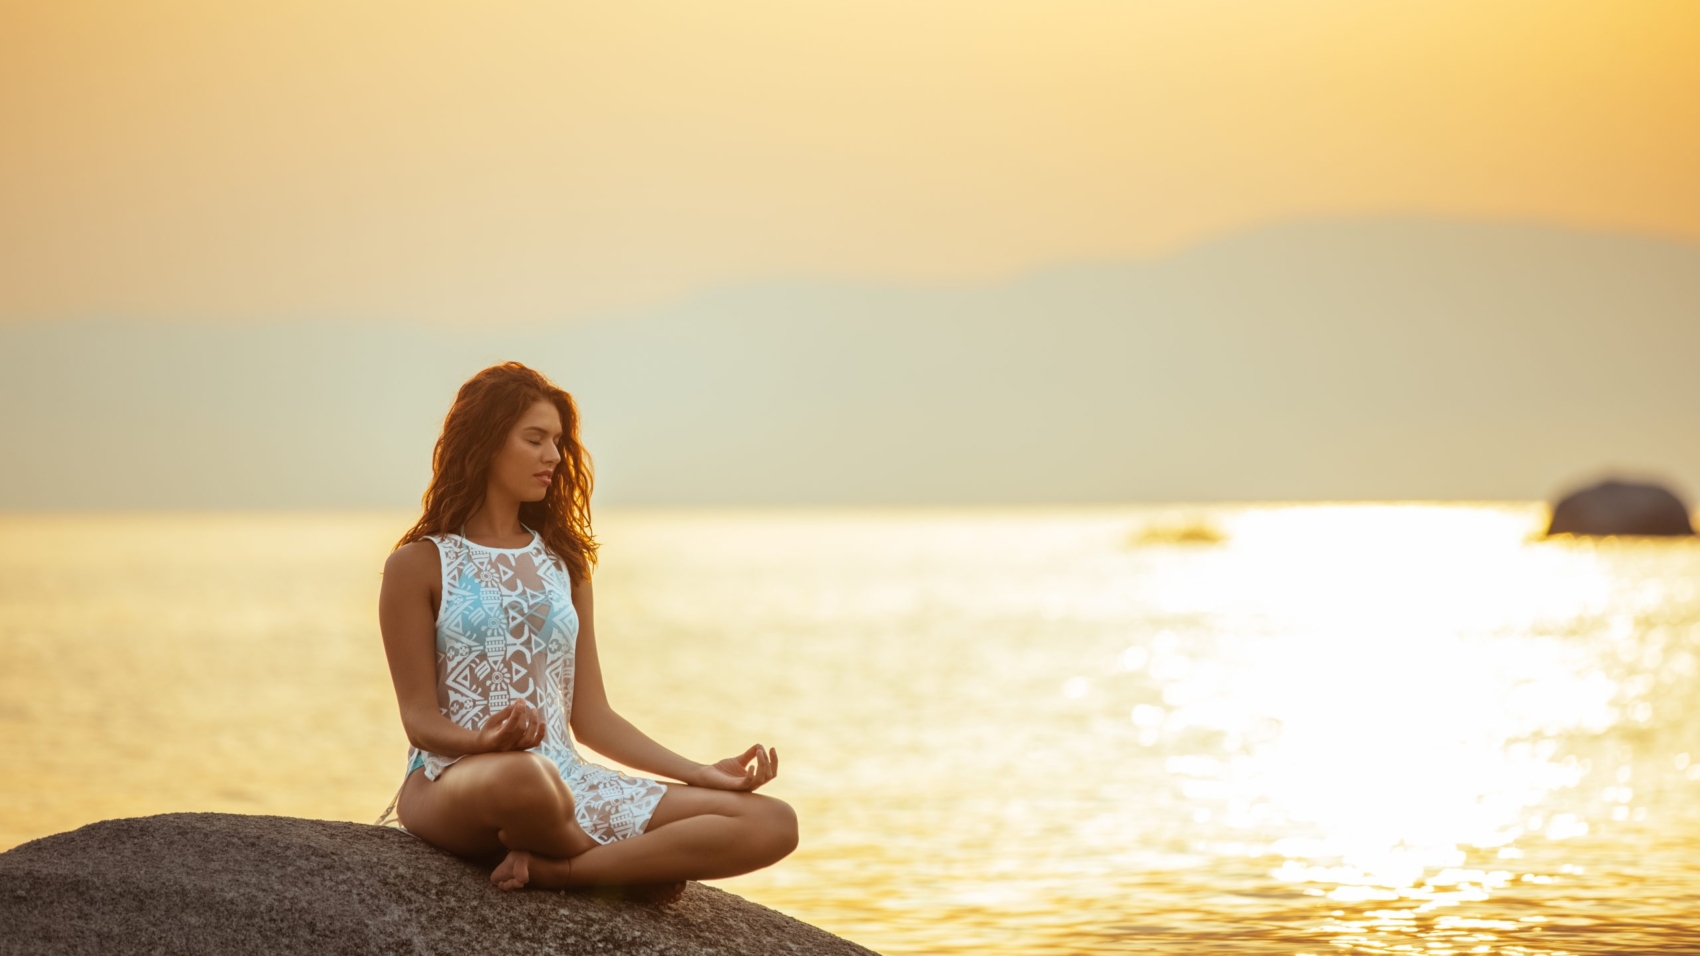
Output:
x=1377 y=358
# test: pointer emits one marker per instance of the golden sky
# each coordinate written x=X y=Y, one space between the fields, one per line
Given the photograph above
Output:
x=455 y=162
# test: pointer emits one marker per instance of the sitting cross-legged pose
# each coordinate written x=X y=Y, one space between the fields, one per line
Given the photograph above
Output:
x=485 y=611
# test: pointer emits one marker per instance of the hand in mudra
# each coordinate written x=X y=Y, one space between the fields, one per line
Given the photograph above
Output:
x=518 y=726
x=734 y=773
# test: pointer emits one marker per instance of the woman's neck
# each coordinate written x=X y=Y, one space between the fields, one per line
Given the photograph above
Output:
x=494 y=520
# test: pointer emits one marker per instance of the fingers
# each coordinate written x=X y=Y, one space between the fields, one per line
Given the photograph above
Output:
x=741 y=776
x=506 y=734
x=531 y=729
x=538 y=731
x=514 y=726
x=767 y=768
x=521 y=727
x=762 y=772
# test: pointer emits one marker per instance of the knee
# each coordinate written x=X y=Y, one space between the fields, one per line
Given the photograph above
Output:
x=779 y=826
x=528 y=783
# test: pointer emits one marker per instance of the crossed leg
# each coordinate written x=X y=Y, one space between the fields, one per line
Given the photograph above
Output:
x=484 y=805
x=515 y=803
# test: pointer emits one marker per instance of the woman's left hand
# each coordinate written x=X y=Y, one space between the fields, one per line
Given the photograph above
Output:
x=734 y=773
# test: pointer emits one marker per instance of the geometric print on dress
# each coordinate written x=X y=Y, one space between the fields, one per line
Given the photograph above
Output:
x=507 y=630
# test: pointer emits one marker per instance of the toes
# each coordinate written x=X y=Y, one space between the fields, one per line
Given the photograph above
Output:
x=513 y=872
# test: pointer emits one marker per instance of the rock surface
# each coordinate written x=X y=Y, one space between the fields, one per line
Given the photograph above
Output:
x=227 y=884
x=1621 y=507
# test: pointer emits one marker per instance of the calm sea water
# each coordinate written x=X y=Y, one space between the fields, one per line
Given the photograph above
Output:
x=1276 y=729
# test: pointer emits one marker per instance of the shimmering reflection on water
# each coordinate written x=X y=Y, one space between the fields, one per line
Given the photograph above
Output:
x=1372 y=728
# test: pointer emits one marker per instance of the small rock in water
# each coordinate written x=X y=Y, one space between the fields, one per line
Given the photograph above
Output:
x=1621 y=507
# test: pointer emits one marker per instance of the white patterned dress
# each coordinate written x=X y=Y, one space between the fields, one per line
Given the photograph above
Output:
x=507 y=630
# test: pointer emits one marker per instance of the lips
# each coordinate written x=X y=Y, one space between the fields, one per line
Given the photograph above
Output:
x=544 y=476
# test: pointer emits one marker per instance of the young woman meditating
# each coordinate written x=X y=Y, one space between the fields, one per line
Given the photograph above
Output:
x=486 y=617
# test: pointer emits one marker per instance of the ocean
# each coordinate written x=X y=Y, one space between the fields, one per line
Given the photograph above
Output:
x=1385 y=727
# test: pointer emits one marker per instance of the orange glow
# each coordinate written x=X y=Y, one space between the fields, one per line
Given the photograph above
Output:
x=434 y=160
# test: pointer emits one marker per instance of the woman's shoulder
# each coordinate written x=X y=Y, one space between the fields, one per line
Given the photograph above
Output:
x=414 y=559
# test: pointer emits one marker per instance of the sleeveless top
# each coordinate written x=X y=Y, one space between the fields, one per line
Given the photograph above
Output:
x=507 y=630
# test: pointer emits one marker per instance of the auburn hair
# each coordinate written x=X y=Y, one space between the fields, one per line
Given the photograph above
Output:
x=475 y=429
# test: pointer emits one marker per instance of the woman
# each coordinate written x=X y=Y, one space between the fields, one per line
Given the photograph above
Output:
x=486 y=616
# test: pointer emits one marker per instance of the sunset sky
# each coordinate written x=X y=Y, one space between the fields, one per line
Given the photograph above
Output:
x=458 y=163
x=1171 y=248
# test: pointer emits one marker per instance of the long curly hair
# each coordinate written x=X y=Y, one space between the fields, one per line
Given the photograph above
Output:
x=477 y=425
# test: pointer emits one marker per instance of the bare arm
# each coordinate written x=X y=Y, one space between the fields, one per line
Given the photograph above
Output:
x=595 y=722
x=410 y=642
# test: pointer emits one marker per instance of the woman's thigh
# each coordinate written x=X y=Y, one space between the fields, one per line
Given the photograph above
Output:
x=461 y=810
x=683 y=800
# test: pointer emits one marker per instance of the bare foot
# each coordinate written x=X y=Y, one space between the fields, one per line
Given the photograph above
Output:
x=513 y=872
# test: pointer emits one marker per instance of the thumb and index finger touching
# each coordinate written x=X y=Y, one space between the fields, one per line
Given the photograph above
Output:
x=767 y=760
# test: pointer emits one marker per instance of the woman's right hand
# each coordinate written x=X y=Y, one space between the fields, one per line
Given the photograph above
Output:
x=518 y=726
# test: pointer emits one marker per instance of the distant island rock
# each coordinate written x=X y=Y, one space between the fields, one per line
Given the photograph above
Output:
x=1190 y=531
x=1621 y=507
x=218 y=883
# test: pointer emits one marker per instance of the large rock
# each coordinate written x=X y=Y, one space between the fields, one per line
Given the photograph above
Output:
x=226 y=884
x=1621 y=507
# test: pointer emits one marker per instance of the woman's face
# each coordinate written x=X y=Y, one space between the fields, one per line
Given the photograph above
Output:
x=525 y=466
